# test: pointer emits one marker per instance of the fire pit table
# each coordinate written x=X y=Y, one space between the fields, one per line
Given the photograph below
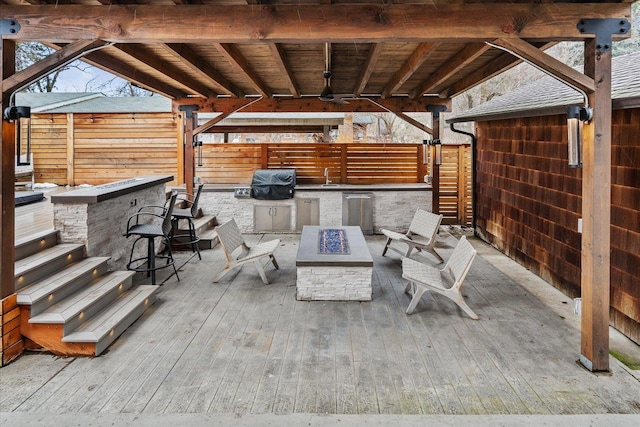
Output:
x=333 y=264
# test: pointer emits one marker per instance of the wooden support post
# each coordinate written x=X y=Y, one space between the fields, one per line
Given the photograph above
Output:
x=7 y=177
x=435 y=169
x=189 y=164
x=421 y=167
x=190 y=118
x=71 y=174
x=596 y=214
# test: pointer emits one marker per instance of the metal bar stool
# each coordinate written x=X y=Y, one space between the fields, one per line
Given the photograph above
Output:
x=188 y=214
x=151 y=231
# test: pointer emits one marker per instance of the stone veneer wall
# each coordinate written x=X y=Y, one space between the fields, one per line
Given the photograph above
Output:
x=100 y=226
x=339 y=283
x=392 y=209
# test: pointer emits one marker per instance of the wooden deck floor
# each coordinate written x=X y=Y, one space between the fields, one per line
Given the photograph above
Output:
x=241 y=347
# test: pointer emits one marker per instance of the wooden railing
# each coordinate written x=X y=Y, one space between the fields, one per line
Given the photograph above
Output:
x=347 y=163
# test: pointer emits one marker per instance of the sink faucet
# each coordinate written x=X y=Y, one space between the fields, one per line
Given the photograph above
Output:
x=326 y=176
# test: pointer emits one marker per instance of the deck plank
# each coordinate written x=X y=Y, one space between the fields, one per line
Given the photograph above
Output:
x=239 y=346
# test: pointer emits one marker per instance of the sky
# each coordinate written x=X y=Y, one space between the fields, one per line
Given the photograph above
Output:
x=90 y=79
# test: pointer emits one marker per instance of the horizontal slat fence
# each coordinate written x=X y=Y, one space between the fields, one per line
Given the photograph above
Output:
x=74 y=149
x=112 y=147
x=49 y=147
x=347 y=163
x=456 y=183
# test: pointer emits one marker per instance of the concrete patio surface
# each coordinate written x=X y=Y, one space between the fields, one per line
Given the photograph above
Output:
x=244 y=353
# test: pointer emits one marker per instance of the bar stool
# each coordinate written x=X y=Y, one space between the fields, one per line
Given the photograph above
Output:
x=151 y=231
x=188 y=214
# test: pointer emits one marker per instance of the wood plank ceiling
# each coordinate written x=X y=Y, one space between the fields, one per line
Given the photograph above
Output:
x=213 y=49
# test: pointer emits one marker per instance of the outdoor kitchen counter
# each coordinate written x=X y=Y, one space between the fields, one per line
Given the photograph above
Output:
x=393 y=205
x=332 y=187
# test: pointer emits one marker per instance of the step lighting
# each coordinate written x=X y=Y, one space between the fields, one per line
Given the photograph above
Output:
x=69 y=256
x=146 y=301
x=120 y=286
x=112 y=332
x=95 y=271
x=20 y=279
x=50 y=297
x=81 y=315
x=43 y=241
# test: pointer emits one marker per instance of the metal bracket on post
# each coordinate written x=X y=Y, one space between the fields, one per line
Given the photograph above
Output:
x=188 y=109
x=604 y=29
x=436 y=110
x=9 y=26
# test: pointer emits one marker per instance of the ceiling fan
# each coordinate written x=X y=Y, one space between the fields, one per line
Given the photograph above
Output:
x=327 y=94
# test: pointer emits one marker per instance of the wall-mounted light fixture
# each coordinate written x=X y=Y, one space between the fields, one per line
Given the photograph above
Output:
x=16 y=114
x=198 y=144
x=576 y=117
x=437 y=155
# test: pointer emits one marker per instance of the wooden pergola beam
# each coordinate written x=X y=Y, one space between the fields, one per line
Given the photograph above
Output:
x=548 y=63
x=178 y=76
x=200 y=66
x=340 y=23
x=410 y=66
x=312 y=104
x=497 y=66
x=467 y=55
x=242 y=67
x=278 y=54
x=43 y=67
x=108 y=63
x=414 y=122
x=367 y=69
x=267 y=129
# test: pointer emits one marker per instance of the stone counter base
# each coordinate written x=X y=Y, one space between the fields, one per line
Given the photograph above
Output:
x=334 y=283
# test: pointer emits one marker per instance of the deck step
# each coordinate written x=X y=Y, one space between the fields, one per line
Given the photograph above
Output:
x=56 y=287
x=204 y=227
x=103 y=328
x=35 y=243
x=208 y=239
x=44 y=263
x=73 y=310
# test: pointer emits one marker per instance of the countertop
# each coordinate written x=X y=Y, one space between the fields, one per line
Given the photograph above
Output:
x=332 y=187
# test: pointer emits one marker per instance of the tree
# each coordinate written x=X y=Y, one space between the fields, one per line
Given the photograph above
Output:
x=27 y=54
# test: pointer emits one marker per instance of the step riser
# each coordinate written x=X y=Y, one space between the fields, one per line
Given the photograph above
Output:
x=68 y=288
x=50 y=267
x=200 y=227
x=97 y=305
x=49 y=337
x=33 y=246
x=124 y=324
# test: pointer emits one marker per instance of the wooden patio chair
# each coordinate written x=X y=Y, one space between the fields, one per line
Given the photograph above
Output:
x=446 y=281
x=421 y=235
x=231 y=240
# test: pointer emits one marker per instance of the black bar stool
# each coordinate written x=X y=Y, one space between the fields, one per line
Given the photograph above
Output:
x=151 y=231
x=188 y=214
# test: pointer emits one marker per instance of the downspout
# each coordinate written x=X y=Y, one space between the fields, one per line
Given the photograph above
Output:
x=473 y=170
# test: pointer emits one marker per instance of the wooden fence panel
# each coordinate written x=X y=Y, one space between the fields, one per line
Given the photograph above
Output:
x=309 y=160
x=456 y=185
x=111 y=147
x=228 y=163
x=383 y=163
x=49 y=148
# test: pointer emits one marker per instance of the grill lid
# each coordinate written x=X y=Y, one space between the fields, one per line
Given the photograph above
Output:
x=273 y=184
